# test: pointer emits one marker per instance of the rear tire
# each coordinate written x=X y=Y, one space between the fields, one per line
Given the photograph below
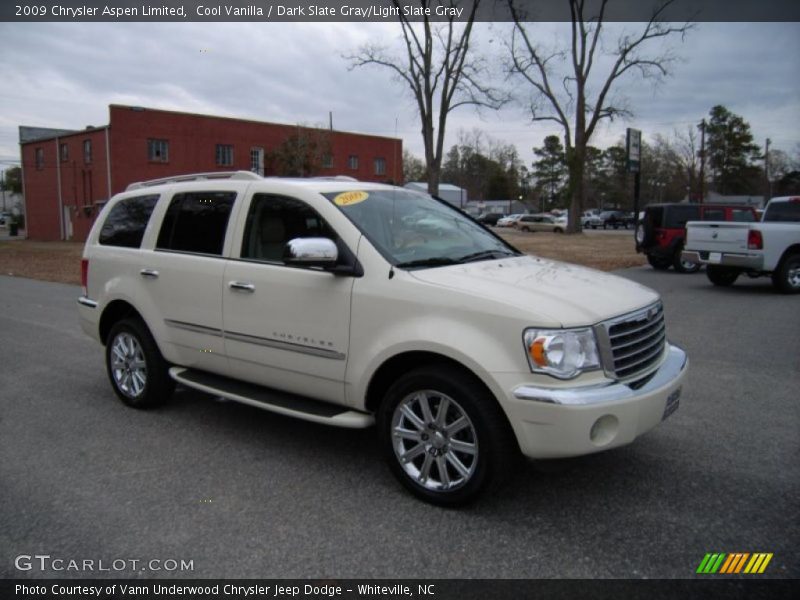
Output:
x=786 y=277
x=658 y=263
x=683 y=266
x=722 y=276
x=135 y=367
x=445 y=437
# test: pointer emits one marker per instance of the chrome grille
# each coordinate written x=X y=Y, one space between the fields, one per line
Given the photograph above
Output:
x=635 y=342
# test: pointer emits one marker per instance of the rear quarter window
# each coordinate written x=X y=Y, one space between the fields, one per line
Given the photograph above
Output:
x=676 y=217
x=126 y=222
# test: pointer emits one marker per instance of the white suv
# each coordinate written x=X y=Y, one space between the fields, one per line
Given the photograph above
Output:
x=334 y=301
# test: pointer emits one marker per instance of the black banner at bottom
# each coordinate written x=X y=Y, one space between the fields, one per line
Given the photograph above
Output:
x=413 y=589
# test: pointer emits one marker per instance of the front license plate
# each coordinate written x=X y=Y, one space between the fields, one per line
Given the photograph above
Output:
x=715 y=257
x=672 y=403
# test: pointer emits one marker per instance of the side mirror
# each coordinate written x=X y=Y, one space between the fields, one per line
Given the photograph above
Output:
x=311 y=252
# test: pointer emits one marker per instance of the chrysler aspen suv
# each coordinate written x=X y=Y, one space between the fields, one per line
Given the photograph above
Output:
x=328 y=300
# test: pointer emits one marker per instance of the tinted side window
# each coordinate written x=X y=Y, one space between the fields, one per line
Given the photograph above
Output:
x=714 y=214
x=274 y=220
x=127 y=221
x=676 y=216
x=196 y=222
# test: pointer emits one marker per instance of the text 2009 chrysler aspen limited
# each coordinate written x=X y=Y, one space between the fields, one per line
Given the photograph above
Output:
x=354 y=304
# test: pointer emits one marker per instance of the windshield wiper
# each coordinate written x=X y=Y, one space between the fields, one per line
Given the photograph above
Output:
x=484 y=255
x=434 y=261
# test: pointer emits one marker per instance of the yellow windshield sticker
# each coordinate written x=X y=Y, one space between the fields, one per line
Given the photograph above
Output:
x=348 y=198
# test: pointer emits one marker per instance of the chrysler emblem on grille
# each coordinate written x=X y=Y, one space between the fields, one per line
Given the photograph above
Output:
x=651 y=314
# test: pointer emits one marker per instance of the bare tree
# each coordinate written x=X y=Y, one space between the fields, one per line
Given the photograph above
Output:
x=566 y=97
x=440 y=71
x=687 y=149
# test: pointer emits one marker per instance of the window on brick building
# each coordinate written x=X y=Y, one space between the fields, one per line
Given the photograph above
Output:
x=224 y=155
x=352 y=162
x=63 y=152
x=327 y=161
x=380 y=166
x=39 y=155
x=87 y=151
x=157 y=150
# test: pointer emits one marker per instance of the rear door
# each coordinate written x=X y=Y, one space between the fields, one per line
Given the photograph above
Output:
x=182 y=276
x=285 y=327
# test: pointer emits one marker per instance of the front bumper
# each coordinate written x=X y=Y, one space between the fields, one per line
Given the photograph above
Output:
x=560 y=422
x=751 y=262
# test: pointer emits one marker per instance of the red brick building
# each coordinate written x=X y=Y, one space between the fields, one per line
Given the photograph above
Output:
x=68 y=175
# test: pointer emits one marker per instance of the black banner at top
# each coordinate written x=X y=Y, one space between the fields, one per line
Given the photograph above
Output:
x=390 y=10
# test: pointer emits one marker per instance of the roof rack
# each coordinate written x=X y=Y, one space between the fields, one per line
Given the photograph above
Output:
x=334 y=178
x=238 y=175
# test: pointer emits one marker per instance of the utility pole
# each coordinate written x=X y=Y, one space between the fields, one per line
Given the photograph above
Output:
x=3 y=186
x=702 y=160
x=768 y=186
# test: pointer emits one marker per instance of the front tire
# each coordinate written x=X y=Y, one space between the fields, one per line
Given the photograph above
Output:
x=135 y=367
x=444 y=436
x=722 y=276
x=658 y=263
x=786 y=277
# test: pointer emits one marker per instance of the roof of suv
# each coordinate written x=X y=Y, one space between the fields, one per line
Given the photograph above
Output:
x=318 y=184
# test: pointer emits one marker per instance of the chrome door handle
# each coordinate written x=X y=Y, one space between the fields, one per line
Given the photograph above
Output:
x=149 y=273
x=242 y=286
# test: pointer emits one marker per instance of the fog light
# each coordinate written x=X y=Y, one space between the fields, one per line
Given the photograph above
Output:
x=604 y=430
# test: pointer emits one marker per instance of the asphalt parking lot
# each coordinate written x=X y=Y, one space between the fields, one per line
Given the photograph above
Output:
x=246 y=493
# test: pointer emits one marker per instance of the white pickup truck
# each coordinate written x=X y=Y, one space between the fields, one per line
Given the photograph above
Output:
x=769 y=247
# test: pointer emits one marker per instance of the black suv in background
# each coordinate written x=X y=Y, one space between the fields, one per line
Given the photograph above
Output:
x=662 y=232
x=490 y=218
x=616 y=219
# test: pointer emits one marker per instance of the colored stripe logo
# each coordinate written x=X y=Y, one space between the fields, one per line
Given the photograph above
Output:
x=735 y=563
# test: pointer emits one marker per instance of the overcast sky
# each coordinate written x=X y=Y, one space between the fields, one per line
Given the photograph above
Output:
x=66 y=75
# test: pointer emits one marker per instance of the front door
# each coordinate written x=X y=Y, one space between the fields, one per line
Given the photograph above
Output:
x=285 y=327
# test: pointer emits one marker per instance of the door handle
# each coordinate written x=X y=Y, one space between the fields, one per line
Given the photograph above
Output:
x=242 y=286
x=149 y=273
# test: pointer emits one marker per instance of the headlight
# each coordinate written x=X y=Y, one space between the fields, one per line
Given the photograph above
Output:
x=562 y=353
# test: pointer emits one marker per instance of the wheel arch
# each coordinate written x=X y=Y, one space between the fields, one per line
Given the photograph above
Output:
x=394 y=366
x=114 y=312
x=791 y=250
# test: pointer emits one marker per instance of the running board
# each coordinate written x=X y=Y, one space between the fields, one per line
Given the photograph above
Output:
x=282 y=403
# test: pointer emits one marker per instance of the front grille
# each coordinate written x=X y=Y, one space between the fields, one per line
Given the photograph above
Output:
x=636 y=342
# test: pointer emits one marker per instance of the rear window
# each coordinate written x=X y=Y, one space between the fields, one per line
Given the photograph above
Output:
x=196 y=222
x=714 y=214
x=127 y=221
x=742 y=215
x=788 y=212
x=677 y=216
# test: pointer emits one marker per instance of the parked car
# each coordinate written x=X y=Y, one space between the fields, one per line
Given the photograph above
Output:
x=540 y=223
x=490 y=218
x=661 y=234
x=769 y=248
x=509 y=220
x=587 y=216
x=5 y=218
x=318 y=299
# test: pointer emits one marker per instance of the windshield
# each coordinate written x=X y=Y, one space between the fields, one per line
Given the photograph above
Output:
x=413 y=230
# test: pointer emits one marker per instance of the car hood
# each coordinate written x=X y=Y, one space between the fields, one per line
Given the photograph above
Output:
x=550 y=293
